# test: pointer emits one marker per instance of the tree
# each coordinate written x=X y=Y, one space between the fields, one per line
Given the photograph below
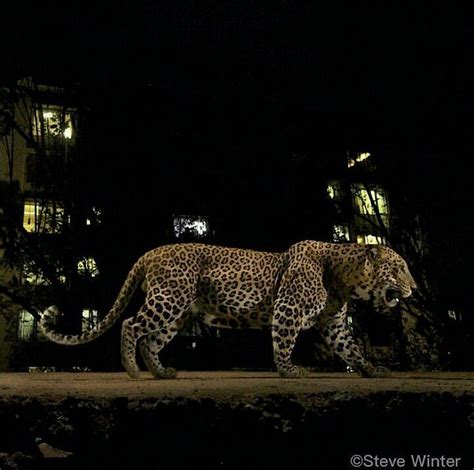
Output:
x=41 y=206
x=386 y=208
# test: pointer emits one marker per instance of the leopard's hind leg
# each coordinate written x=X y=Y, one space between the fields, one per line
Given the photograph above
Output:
x=155 y=325
x=128 y=347
x=151 y=345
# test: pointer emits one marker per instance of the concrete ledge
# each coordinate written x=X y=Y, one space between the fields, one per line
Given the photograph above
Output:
x=219 y=419
x=224 y=385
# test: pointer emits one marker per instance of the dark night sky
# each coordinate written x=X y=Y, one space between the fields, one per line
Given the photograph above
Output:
x=384 y=59
x=196 y=107
x=247 y=79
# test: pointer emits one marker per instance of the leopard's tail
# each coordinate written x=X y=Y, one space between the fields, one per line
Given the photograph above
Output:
x=48 y=318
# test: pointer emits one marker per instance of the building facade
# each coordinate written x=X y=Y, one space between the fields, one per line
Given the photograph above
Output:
x=41 y=149
x=49 y=247
x=361 y=212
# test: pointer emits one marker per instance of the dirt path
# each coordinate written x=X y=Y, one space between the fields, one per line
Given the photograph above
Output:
x=223 y=384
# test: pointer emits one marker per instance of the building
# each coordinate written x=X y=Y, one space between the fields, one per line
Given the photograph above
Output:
x=41 y=150
x=361 y=211
x=336 y=196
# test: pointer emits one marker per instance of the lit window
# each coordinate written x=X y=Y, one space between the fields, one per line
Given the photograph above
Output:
x=197 y=227
x=38 y=217
x=370 y=240
x=26 y=326
x=68 y=133
x=95 y=216
x=334 y=190
x=359 y=157
x=90 y=319
x=350 y=323
x=370 y=202
x=54 y=121
x=29 y=216
x=340 y=233
x=87 y=267
x=34 y=276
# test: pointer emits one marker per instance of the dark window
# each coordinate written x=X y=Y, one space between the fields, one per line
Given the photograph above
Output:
x=31 y=168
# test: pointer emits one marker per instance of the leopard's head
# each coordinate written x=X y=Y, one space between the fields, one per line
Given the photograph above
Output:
x=387 y=277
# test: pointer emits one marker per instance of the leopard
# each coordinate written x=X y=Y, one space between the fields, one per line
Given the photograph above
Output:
x=307 y=286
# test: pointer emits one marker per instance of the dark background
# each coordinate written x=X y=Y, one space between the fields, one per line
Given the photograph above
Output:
x=240 y=111
x=236 y=88
x=234 y=110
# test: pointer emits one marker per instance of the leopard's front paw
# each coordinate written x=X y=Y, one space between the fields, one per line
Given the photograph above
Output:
x=293 y=372
x=165 y=373
x=378 y=372
x=131 y=367
x=133 y=372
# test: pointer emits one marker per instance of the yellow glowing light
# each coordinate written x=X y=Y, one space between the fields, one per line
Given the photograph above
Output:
x=38 y=217
x=68 y=133
x=87 y=267
x=26 y=325
x=360 y=157
x=29 y=216
x=370 y=240
x=331 y=191
x=370 y=202
x=48 y=114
